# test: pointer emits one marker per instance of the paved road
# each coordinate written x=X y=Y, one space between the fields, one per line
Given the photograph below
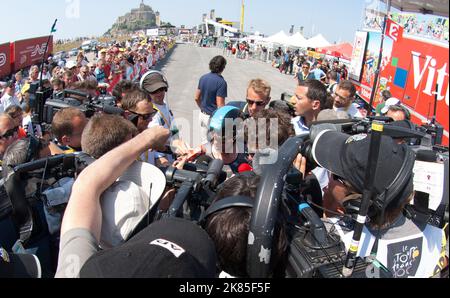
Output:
x=188 y=63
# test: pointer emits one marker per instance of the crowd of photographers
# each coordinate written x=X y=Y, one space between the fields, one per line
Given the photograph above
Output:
x=91 y=226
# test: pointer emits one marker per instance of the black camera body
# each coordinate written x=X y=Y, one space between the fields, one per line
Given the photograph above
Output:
x=53 y=168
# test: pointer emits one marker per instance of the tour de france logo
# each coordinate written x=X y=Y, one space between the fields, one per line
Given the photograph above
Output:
x=404 y=258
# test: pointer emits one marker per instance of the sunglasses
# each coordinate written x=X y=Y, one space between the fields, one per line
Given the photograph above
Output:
x=146 y=117
x=257 y=103
x=335 y=95
x=160 y=90
x=10 y=133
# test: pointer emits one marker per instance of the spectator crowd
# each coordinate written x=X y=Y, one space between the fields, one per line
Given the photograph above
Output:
x=91 y=225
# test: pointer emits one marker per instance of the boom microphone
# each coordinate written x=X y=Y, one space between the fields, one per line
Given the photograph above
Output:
x=111 y=110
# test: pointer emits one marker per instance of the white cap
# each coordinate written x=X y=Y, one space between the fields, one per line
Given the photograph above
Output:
x=126 y=203
x=389 y=103
x=70 y=64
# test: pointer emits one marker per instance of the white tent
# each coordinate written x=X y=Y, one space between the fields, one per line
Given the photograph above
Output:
x=255 y=38
x=298 y=40
x=280 y=38
x=317 y=41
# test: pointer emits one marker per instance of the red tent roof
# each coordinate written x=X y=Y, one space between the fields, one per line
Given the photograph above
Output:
x=343 y=50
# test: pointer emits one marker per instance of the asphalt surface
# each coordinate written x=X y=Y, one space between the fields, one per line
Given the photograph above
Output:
x=188 y=63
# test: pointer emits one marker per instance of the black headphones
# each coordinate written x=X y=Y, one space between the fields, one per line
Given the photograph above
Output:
x=402 y=180
x=226 y=203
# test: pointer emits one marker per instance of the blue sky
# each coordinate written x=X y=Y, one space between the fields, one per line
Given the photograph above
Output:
x=337 y=20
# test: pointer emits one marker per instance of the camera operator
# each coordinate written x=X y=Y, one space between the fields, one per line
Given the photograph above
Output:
x=398 y=113
x=404 y=247
x=26 y=210
x=67 y=127
x=82 y=223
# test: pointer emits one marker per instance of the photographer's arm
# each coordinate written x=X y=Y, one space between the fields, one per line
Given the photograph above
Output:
x=84 y=211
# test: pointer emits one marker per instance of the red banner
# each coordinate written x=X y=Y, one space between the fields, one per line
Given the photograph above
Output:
x=418 y=74
x=414 y=71
x=394 y=30
x=5 y=60
x=30 y=51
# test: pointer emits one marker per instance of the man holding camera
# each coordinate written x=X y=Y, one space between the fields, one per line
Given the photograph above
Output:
x=402 y=245
x=67 y=127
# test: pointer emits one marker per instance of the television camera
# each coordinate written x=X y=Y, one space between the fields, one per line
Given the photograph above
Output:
x=196 y=184
x=47 y=104
x=81 y=100
x=25 y=185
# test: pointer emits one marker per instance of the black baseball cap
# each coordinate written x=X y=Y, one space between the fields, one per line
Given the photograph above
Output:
x=347 y=156
x=170 y=248
x=19 y=265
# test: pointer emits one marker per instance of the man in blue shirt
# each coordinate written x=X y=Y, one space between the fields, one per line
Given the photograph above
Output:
x=212 y=92
x=318 y=73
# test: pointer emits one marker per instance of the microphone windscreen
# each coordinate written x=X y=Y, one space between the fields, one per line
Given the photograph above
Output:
x=426 y=156
x=245 y=167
